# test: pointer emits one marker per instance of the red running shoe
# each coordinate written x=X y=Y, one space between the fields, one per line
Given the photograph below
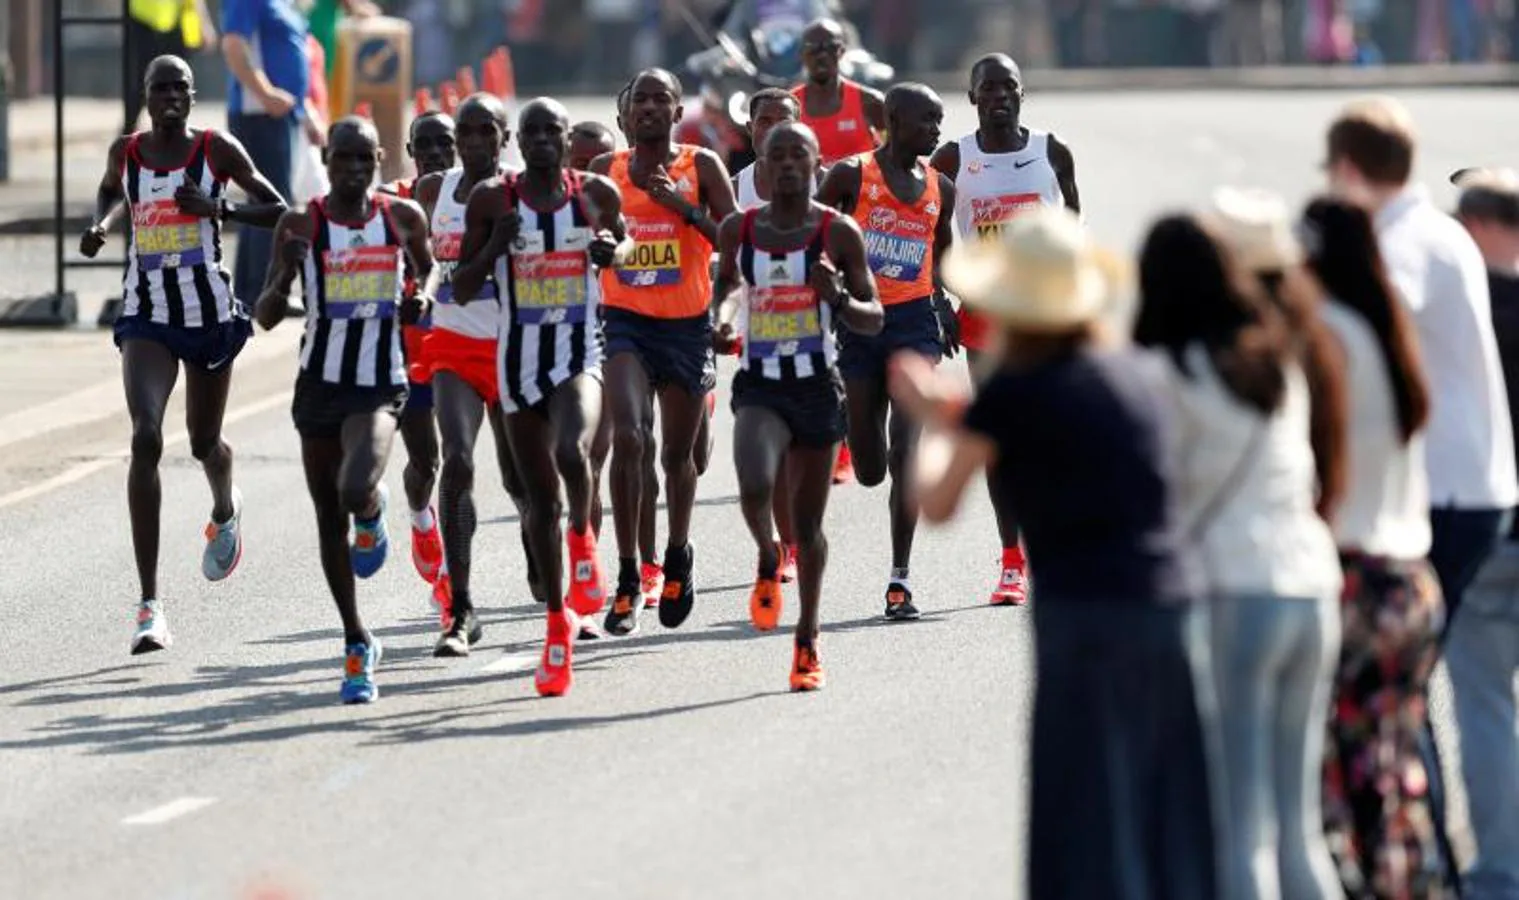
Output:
x=843 y=467
x=555 y=674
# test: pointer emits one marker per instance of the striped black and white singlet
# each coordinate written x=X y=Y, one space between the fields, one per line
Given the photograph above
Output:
x=788 y=330
x=550 y=324
x=352 y=282
x=174 y=273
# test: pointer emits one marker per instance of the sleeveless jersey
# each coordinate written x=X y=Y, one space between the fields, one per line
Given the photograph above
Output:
x=550 y=320
x=748 y=192
x=174 y=272
x=991 y=189
x=480 y=318
x=352 y=281
x=669 y=274
x=844 y=134
x=787 y=328
x=899 y=238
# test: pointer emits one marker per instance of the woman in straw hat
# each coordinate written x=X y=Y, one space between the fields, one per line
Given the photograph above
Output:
x=1120 y=792
x=1246 y=483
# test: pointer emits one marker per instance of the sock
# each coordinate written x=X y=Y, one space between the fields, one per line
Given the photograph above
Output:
x=627 y=570
x=1012 y=557
x=899 y=577
x=423 y=519
x=679 y=559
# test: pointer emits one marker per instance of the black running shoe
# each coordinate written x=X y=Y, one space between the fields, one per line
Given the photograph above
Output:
x=464 y=632
x=679 y=595
x=622 y=618
x=899 y=606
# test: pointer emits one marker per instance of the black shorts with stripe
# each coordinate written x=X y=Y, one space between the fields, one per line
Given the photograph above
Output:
x=320 y=409
x=812 y=408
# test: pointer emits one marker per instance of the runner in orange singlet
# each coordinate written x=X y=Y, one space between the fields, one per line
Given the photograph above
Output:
x=904 y=208
x=844 y=115
x=431 y=148
x=659 y=332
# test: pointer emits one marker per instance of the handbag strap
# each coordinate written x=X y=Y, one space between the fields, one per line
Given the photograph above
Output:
x=1230 y=487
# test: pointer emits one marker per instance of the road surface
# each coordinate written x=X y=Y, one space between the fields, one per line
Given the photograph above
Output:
x=678 y=767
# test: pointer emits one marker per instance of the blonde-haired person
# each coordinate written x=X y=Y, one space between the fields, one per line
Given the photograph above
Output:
x=1247 y=486
x=1082 y=433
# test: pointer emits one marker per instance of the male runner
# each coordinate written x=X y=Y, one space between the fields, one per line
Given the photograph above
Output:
x=178 y=310
x=430 y=144
x=846 y=116
x=542 y=232
x=588 y=140
x=1000 y=170
x=901 y=204
x=788 y=399
x=659 y=332
x=350 y=248
x=769 y=108
x=460 y=351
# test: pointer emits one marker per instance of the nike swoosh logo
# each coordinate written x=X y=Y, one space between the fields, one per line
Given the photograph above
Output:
x=212 y=367
x=1026 y=162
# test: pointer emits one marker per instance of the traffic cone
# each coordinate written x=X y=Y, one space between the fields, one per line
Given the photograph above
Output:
x=508 y=72
x=466 y=79
x=490 y=76
x=450 y=92
x=364 y=111
x=423 y=102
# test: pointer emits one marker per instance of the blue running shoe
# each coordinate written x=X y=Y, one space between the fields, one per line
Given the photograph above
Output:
x=370 y=541
x=359 y=663
x=224 y=543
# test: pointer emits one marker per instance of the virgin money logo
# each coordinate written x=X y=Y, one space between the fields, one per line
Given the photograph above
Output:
x=882 y=219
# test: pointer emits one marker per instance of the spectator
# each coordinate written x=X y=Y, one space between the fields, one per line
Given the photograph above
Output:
x=264 y=42
x=323 y=21
x=1120 y=803
x=161 y=28
x=1246 y=483
x=1482 y=652
x=1377 y=813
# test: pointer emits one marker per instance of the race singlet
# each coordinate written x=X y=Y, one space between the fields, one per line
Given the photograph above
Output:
x=669 y=275
x=899 y=237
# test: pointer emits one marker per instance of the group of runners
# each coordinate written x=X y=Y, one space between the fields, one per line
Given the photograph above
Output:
x=563 y=304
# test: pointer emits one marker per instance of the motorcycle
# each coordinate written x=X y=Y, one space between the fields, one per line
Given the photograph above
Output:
x=728 y=75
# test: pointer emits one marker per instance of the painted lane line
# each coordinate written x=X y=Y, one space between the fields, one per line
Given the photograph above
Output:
x=85 y=470
x=512 y=662
x=169 y=811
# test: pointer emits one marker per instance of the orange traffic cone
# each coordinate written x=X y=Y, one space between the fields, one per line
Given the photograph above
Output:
x=450 y=92
x=364 y=111
x=508 y=72
x=466 y=79
x=423 y=102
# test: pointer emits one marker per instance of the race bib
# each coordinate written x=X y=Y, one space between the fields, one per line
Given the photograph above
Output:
x=897 y=247
x=655 y=260
x=783 y=320
x=988 y=215
x=446 y=285
x=165 y=237
x=551 y=288
x=361 y=282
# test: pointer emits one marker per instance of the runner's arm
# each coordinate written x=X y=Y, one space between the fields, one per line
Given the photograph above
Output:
x=715 y=193
x=412 y=224
x=481 y=244
x=426 y=192
x=606 y=207
x=725 y=286
x=108 y=199
x=292 y=241
x=874 y=107
x=230 y=159
x=946 y=160
x=841 y=186
x=1064 y=165
x=859 y=307
x=944 y=238
x=602 y=164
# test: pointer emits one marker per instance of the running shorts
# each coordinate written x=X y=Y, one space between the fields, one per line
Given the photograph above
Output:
x=909 y=326
x=472 y=359
x=320 y=409
x=674 y=352
x=812 y=408
x=209 y=349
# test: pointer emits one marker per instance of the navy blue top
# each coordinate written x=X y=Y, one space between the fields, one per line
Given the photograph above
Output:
x=276 y=31
x=1083 y=449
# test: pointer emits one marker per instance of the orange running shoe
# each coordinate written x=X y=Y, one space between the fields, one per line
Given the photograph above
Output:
x=787 y=570
x=711 y=403
x=651 y=584
x=443 y=599
x=765 y=604
x=806 y=669
x=843 y=467
x=427 y=550
x=588 y=593
x=555 y=672
x=1012 y=587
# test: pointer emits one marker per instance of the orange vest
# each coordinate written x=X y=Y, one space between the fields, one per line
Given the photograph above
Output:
x=668 y=275
x=899 y=237
x=844 y=134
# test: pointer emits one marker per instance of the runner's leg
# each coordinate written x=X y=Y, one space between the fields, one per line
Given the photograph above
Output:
x=512 y=480
x=811 y=472
x=867 y=406
x=760 y=441
x=322 y=458
x=531 y=437
x=460 y=413
x=601 y=448
x=904 y=510
x=148 y=372
x=575 y=410
x=627 y=399
x=205 y=408
x=680 y=415
x=419 y=433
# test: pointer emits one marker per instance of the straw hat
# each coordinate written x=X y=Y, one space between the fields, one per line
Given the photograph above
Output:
x=1503 y=181
x=1257 y=227
x=1042 y=274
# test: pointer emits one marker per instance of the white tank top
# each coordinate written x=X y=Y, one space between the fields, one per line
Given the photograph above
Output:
x=748 y=192
x=481 y=317
x=992 y=188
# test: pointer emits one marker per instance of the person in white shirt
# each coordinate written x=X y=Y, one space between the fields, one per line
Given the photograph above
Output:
x=1246 y=486
x=1438 y=271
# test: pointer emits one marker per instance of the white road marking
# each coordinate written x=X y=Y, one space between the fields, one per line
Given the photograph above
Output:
x=169 y=811
x=512 y=662
x=85 y=470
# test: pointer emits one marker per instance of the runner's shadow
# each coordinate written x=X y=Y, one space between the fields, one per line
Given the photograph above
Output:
x=725 y=500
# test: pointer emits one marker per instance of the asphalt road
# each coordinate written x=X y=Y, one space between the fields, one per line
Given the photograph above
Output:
x=678 y=767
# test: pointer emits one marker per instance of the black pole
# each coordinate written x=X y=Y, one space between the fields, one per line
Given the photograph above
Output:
x=58 y=157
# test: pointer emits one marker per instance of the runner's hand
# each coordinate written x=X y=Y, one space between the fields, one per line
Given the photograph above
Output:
x=662 y=190
x=603 y=249
x=725 y=340
x=269 y=311
x=415 y=308
x=505 y=231
x=192 y=201
x=949 y=325
x=293 y=251
x=91 y=241
x=825 y=279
